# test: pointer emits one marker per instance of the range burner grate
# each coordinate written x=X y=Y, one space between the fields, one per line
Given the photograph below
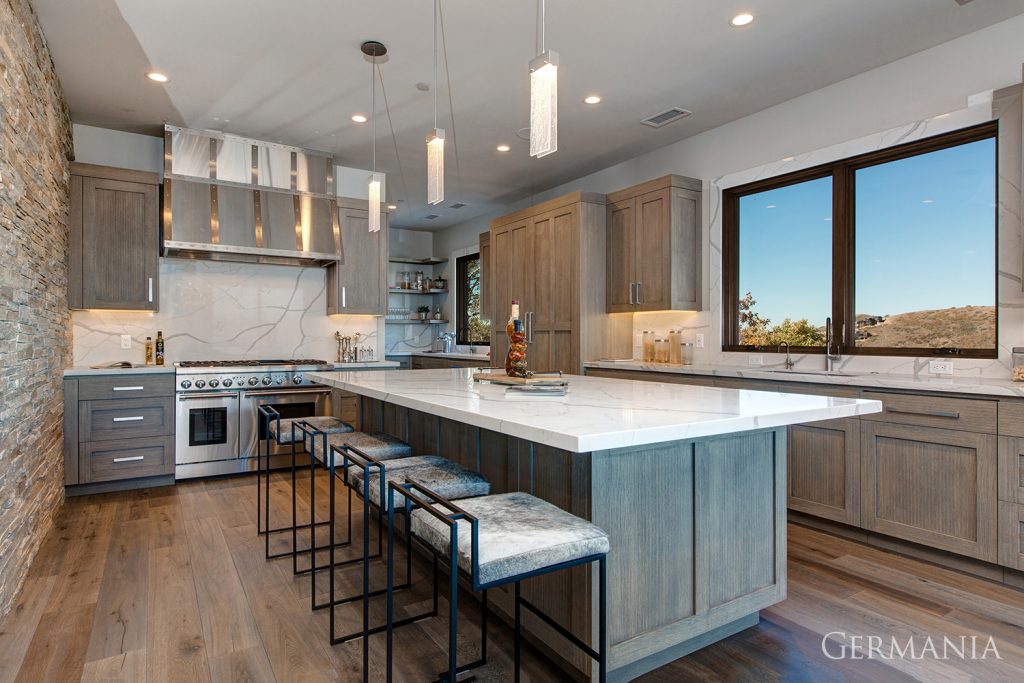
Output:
x=248 y=363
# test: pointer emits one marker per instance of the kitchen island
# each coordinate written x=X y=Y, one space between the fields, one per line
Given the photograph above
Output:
x=688 y=482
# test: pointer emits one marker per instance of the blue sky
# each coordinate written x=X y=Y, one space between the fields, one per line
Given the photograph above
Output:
x=924 y=238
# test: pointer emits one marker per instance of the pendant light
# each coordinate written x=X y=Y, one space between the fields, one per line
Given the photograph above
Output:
x=373 y=49
x=543 y=97
x=435 y=142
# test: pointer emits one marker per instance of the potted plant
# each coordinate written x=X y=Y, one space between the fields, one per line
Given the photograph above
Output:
x=424 y=311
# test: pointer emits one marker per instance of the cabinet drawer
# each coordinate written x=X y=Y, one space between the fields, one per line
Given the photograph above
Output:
x=126 y=386
x=933 y=411
x=127 y=419
x=1011 y=469
x=1011 y=535
x=1011 y=418
x=126 y=459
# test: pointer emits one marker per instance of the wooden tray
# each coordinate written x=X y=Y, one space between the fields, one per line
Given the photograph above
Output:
x=540 y=379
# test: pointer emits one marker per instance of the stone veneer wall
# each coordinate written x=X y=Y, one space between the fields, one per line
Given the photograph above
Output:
x=35 y=145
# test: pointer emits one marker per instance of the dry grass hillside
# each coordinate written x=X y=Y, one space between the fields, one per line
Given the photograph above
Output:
x=964 y=327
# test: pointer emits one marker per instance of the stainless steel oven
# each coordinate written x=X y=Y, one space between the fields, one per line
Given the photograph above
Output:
x=305 y=402
x=206 y=427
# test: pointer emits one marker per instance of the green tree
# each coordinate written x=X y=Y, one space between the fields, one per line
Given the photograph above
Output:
x=758 y=331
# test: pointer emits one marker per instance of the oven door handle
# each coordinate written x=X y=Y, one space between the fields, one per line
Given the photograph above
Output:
x=190 y=397
x=287 y=392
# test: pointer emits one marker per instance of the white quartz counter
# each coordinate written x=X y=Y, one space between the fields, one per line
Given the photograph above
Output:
x=597 y=413
x=141 y=370
x=868 y=380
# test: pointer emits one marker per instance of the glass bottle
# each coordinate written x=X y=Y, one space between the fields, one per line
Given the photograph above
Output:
x=159 y=347
x=149 y=350
x=515 y=361
x=675 y=340
x=661 y=350
x=648 y=336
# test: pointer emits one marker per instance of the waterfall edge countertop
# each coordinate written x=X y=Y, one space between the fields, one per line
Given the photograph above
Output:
x=597 y=413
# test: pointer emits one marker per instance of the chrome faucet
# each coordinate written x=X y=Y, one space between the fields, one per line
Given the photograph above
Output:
x=830 y=357
x=789 y=359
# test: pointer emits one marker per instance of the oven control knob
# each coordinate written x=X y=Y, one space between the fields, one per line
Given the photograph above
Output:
x=280 y=380
x=253 y=381
x=227 y=382
x=200 y=383
x=297 y=379
x=266 y=380
x=185 y=384
x=214 y=383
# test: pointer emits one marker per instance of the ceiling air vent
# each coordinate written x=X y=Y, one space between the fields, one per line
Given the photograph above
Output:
x=431 y=216
x=457 y=205
x=668 y=116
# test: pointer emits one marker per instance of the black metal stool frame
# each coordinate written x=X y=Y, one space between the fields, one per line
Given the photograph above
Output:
x=268 y=413
x=426 y=499
x=354 y=457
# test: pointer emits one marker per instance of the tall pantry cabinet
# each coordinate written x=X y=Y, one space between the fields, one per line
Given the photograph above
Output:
x=550 y=257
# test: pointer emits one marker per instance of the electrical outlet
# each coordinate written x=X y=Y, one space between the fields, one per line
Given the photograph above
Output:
x=755 y=360
x=126 y=341
x=940 y=367
x=700 y=341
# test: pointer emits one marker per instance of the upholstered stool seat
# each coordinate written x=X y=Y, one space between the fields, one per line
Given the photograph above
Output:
x=518 y=534
x=321 y=423
x=377 y=445
x=447 y=478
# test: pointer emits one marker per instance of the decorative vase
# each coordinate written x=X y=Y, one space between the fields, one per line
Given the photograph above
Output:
x=515 y=361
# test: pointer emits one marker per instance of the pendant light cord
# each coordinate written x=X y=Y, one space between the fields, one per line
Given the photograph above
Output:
x=394 y=139
x=435 y=62
x=543 y=17
x=451 y=105
x=373 y=109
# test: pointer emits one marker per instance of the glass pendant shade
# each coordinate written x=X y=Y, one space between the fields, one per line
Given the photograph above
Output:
x=373 y=196
x=435 y=166
x=544 y=104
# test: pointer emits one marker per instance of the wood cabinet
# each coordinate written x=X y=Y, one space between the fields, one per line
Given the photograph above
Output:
x=118 y=428
x=1011 y=535
x=550 y=258
x=435 y=363
x=824 y=469
x=357 y=285
x=114 y=239
x=654 y=246
x=931 y=486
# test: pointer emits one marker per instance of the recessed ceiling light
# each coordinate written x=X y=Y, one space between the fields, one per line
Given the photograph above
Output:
x=788 y=158
x=741 y=19
x=359 y=118
x=592 y=99
x=157 y=76
x=503 y=148
x=392 y=207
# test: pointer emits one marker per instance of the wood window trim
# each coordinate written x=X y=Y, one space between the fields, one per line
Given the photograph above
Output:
x=843 y=256
x=462 y=309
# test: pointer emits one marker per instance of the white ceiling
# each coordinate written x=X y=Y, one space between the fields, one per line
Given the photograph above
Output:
x=291 y=71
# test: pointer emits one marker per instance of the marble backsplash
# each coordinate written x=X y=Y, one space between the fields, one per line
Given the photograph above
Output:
x=217 y=311
x=1011 y=266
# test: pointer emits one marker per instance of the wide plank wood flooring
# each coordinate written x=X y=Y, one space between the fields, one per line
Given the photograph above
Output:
x=170 y=584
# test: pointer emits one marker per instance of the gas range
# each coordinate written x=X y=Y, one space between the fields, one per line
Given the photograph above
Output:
x=232 y=375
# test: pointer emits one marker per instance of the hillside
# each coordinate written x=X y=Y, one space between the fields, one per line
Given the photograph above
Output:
x=964 y=327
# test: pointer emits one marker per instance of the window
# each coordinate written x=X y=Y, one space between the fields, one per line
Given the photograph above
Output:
x=472 y=329
x=897 y=247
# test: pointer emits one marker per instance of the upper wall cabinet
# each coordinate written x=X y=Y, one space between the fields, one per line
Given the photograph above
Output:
x=357 y=285
x=654 y=246
x=114 y=240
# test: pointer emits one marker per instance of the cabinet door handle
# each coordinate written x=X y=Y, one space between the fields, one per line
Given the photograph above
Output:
x=639 y=300
x=150 y=290
x=632 y=298
x=133 y=418
x=529 y=327
x=343 y=297
x=924 y=413
x=128 y=388
x=133 y=458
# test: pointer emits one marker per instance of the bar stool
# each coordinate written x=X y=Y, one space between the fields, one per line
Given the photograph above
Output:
x=285 y=432
x=494 y=541
x=369 y=477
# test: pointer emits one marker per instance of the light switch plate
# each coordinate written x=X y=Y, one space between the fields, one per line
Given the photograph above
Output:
x=940 y=367
x=700 y=341
x=126 y=341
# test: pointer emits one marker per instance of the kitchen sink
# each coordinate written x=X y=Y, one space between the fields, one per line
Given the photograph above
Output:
x=825 y=373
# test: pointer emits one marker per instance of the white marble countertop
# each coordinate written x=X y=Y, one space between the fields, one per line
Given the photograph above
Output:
x=867 y=380
x=86 y=371
x=597 y=413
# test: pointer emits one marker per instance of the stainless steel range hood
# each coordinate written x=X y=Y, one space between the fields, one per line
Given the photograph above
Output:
x=228 y=198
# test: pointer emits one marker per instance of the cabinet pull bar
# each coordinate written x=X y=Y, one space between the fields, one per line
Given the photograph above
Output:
x=639 y=300
x=632 y=299
x=924 y=413
x=128 y=388
x=133 y=418
x=130 y=459
x=150 y=290
x=343 y=305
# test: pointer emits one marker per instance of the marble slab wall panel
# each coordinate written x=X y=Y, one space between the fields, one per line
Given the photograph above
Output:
x=216 y=311
x=1010 y=245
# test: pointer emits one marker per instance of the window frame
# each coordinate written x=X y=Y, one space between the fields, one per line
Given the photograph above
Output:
x=842 y=173
x=462 y=303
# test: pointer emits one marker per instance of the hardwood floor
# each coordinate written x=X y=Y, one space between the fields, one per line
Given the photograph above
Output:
x=170 y=584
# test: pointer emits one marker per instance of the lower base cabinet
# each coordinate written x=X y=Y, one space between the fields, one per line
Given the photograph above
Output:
x=824 y=470
x=931 y=486
x=1011 y=535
